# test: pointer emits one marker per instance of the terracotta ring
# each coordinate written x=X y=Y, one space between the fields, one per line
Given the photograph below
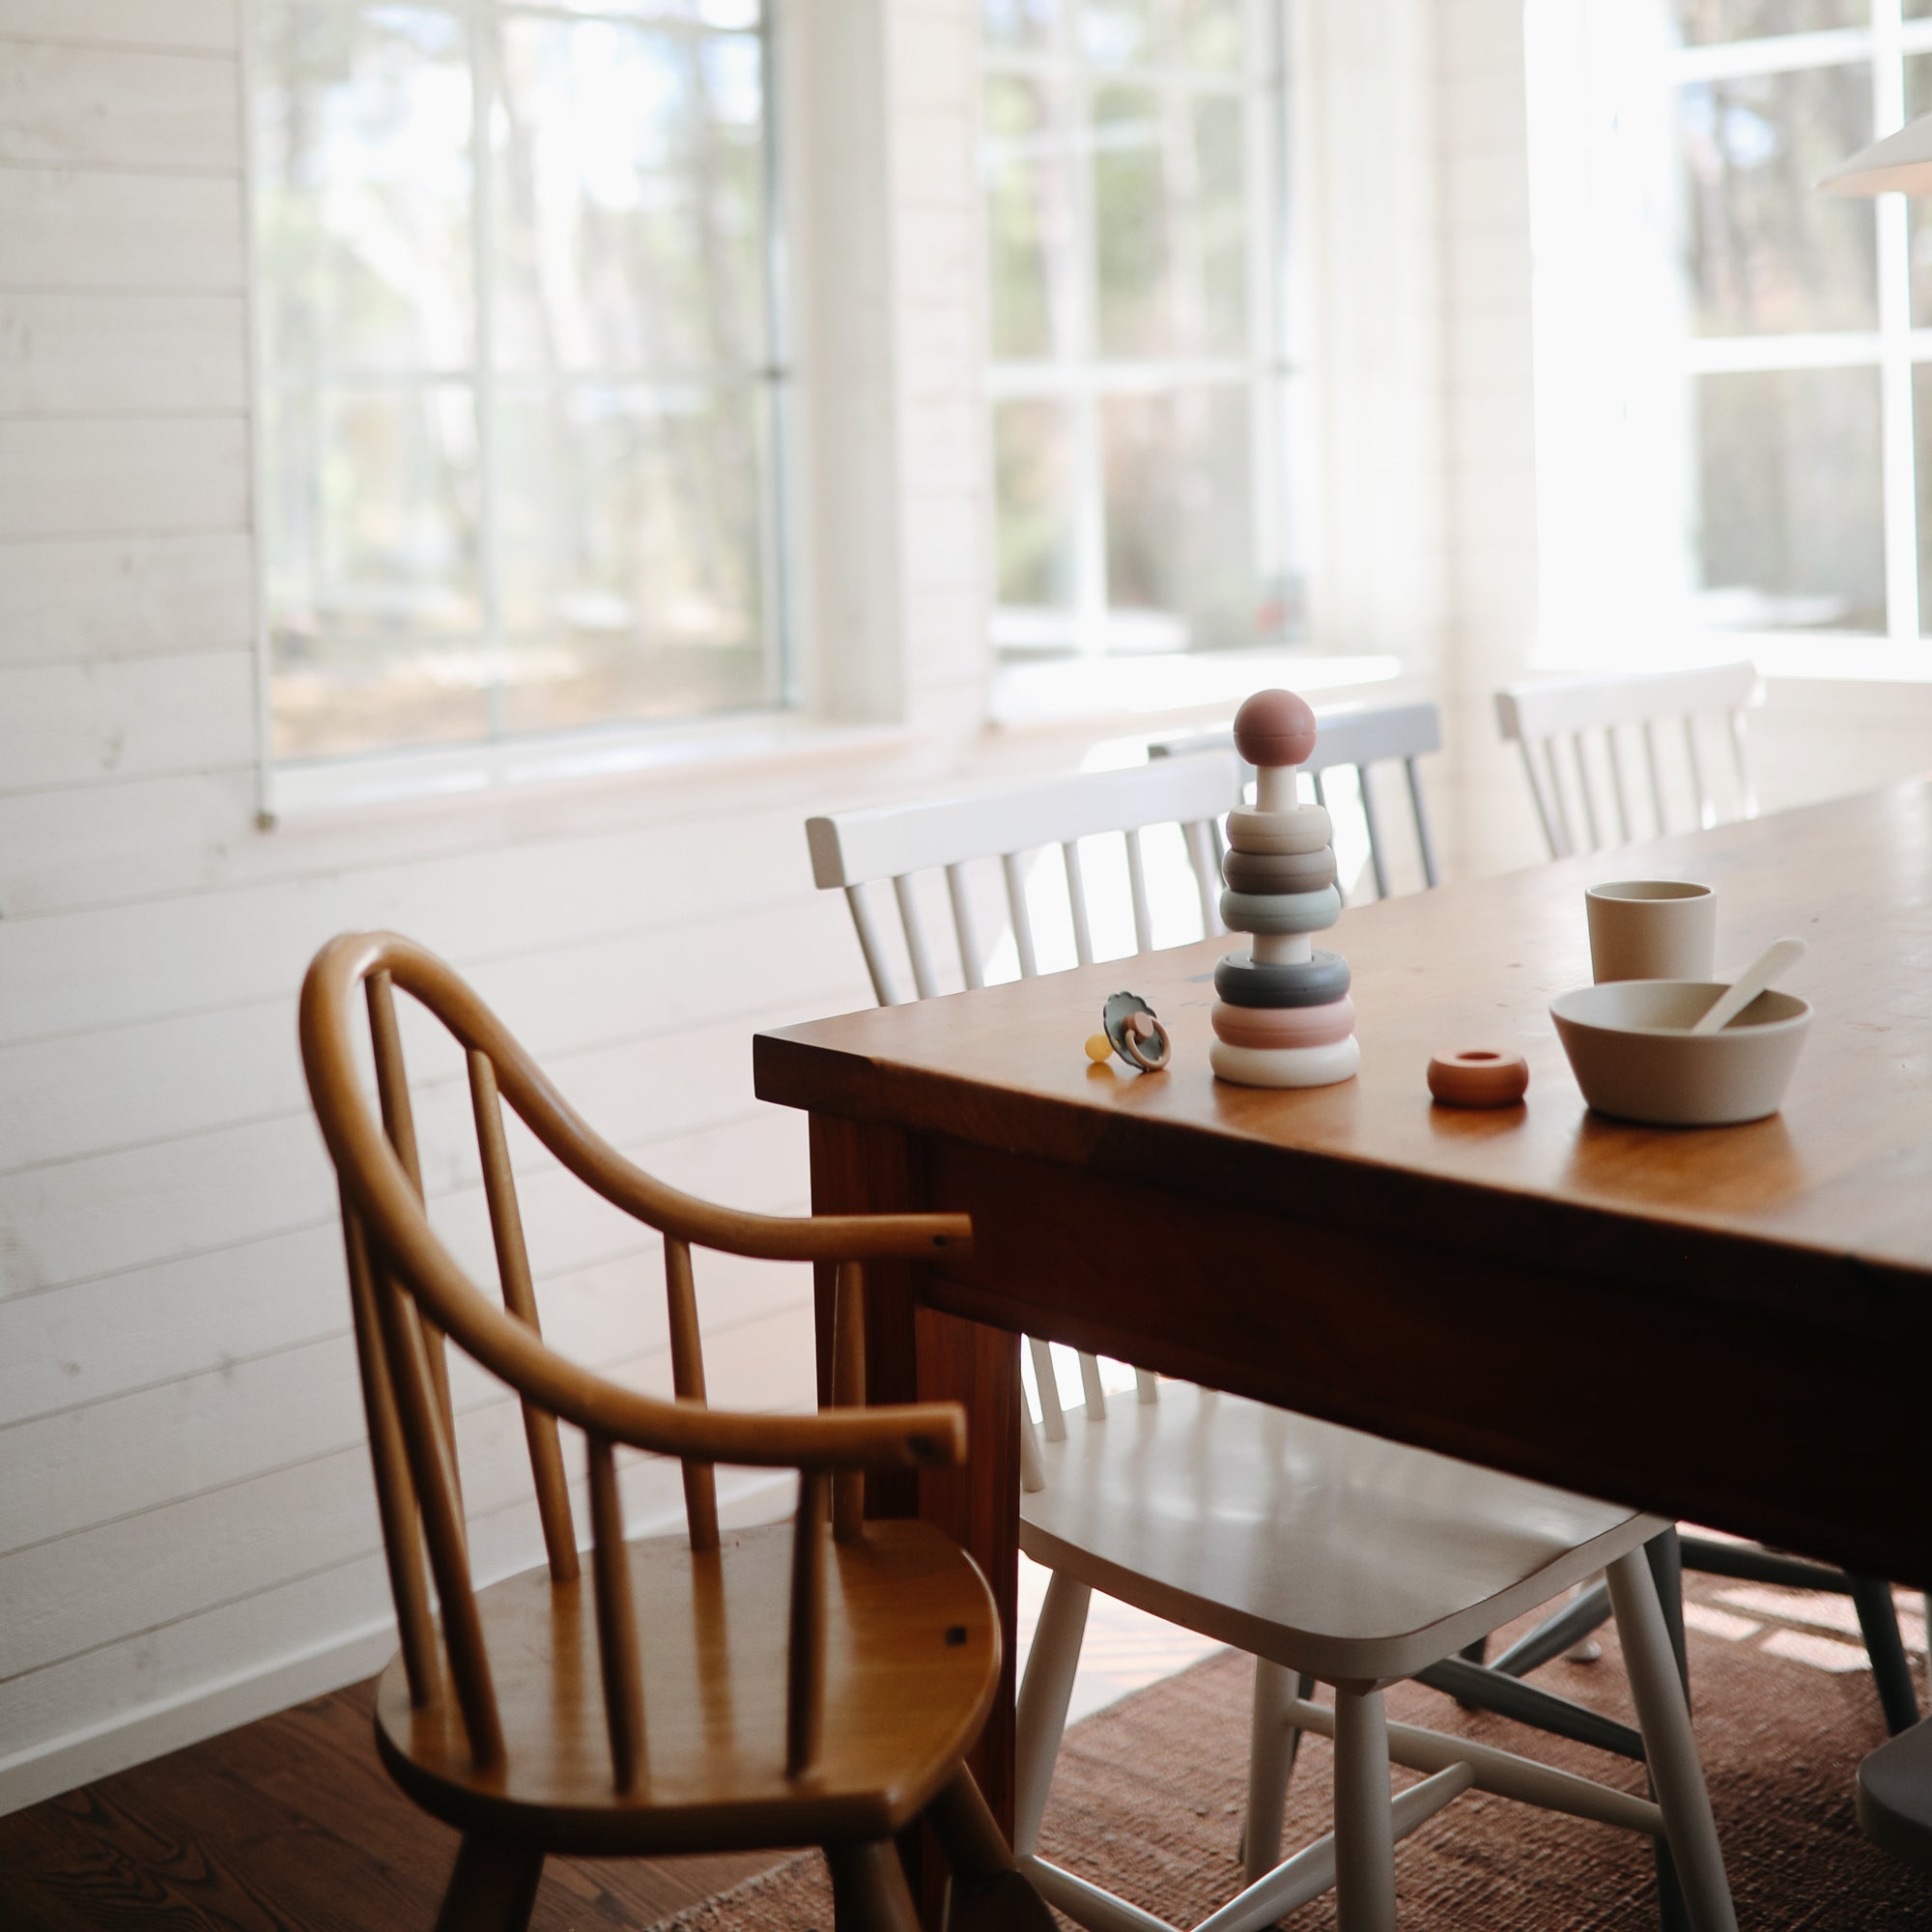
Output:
x=1305 y=829
x=1281 y=912
x=1245 y=981
x=1279 y=872
x=1478 y=1077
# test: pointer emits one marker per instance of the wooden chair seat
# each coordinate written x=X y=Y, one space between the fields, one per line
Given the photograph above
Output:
x=1310 y=1545
x=912 y=1659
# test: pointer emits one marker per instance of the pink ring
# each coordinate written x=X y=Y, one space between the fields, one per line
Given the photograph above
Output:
x=1284 y=1026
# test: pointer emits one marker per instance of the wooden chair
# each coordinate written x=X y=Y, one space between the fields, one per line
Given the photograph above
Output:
x=1359 y=738
x=1297 y=1541
x=1578 y=735
x=773 y=1687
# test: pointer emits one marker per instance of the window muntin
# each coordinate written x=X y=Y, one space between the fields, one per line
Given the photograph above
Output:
x=517 y=366
x=1133 y=163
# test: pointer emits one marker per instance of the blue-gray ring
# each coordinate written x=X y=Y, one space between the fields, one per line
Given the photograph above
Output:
x=1281 y=912
x=1243 y=982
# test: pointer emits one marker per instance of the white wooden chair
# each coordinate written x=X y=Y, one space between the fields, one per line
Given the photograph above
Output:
x=1577 y=736
x=1360 y=738
x=1580 y=738
x=1323 y=1553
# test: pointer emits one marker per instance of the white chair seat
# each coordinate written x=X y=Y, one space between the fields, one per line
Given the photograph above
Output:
x=1319 y=1548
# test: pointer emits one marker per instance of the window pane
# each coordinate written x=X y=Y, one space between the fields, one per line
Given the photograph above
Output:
x=630 y=199
x=707 y=12
x=1762 y=252
x=1135 y=316
x=1030 y=218
x=1113 y=33
x=362 y=125
x=1921 y=423
x=1790 y=526
x=1032 y=463
x=1209 y=33
x=1180 y=515
x=1703 y=22
x=631 y=555
x=369 y=530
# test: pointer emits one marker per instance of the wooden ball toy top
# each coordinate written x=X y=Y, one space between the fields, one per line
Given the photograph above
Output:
x=1275 y=728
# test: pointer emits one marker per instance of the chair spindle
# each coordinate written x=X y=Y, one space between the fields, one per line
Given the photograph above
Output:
x=432 y=1464
x=1425 y=848
x=1707 y=809
x=871 y=946
x=1016 y=908
x=1378 y=859
x=1741 y=760
x=1052 y=1417
x=1137 y=887
x=687 y=1381
x=513 y=1267
x=1544 y=818
x=1206 y=870
x=958 y=891
x=848 y=1391
x=1617 y=794
x=395 y=1493
x=392 y=1087
x=1076 y=903
x=804 y=1650
x=924 y=978
x=1656 y=778
x=1090 y=1382
x=1592 y=830
x=616 y=1617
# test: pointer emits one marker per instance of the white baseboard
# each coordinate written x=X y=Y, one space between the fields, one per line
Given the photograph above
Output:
x=206 y=1710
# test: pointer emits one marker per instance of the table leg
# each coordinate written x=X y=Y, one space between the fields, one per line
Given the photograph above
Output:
x=917 y=1354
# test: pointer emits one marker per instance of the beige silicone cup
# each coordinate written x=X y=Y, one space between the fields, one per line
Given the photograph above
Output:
x=1652 y=929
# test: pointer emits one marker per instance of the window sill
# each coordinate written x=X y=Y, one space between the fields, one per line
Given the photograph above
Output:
x=1127 y=690
x=457 y=775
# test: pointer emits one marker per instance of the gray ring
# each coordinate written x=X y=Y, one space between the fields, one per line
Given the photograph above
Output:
x=1279 y=872
x=1281 y=912
x=1242 y=982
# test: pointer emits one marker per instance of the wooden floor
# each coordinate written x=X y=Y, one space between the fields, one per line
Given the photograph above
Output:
x=290 y=1825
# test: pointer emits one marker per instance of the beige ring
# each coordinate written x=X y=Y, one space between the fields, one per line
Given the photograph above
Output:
x=1306 y=829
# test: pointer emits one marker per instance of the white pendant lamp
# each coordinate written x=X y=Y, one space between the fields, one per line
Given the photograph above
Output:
x=1899 y=164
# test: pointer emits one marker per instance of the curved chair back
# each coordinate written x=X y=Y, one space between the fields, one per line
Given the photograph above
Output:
x=1356 y=737
x=409 y=1296
x=1576 y=737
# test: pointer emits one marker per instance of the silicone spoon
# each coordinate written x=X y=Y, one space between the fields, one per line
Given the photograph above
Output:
x=1750 y=983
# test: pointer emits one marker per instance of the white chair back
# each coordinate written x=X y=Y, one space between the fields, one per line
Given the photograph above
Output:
x=1357 y=737
x=1577 y=735
x=855 y=850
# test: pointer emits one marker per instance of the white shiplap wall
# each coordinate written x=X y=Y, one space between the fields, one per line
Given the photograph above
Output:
x=186 y=1535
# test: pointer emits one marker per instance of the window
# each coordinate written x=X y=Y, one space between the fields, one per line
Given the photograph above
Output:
x=516 y=326
x=1133 y=160
x=1735 y=371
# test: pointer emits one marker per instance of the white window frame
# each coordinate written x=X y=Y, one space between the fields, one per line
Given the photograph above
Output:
x=592 y=749
x=1070 y=682
x=1566 y=96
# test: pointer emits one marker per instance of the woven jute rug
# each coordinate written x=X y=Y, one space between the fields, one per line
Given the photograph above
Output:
x=1146 y=1798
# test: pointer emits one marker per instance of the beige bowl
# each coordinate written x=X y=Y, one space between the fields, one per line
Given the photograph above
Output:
x=1634 y=1057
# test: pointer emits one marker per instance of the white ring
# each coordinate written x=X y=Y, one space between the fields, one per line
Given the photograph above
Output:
x=1285 y=1065
x=1306 y=829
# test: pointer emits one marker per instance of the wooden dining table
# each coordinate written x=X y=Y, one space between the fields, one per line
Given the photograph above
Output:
x=1729 y=1325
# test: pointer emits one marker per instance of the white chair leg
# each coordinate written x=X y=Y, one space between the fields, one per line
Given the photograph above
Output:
x=1271 y=1743
x=1044 y=1693
x=1364 y=1826
x=1672 y=1752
